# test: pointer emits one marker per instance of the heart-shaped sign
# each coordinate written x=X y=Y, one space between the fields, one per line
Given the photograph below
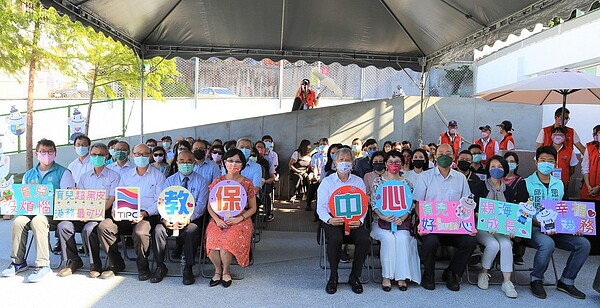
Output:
x=591 y=213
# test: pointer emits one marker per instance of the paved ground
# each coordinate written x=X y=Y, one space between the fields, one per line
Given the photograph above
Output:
x=286 y=273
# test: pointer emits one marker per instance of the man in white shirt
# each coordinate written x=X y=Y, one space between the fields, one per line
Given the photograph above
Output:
x=81 y=164
x=121 y=164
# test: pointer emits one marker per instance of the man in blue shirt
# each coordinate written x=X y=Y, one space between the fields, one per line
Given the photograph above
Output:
x=206 y=168
x=363 y=165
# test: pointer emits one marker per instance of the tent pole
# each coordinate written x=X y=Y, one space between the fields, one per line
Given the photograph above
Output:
x=422 y=90
x=280 y=87
x=564 y=107
x=142 y=96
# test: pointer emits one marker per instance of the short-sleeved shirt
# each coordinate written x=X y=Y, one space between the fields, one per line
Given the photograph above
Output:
x=122 y=170
x=197 y=185
x=150 y=184
x=209 y=170
x=432 y=185
x=107 y=180
x=78 y=167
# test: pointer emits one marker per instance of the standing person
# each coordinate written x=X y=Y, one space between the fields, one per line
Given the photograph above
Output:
x=318 y=160
x=493 y=188
x=231 y=238
x=81 y=164
x=159 y=156
x=418 y=164
x=443 y=183
x=399 y=255
x=166 y=143
x=542 y=186
x=489 y=146
x=47 y=171
x=566 y=160
x=299 y=165
x=544 y=138
x=334 y=226
x=305 y=97
x=508 y=142
x=451 y=136
x=363 y=165
x=122 y=164
x=590 y=190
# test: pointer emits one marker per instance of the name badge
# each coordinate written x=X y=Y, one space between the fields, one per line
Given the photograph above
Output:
x=557 y=173
x=483 y=156
x=483 y=177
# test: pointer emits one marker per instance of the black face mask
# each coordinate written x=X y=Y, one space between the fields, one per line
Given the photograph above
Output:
x=378 y=166
x=199 y=154
x=418 y=163
x=463 y=165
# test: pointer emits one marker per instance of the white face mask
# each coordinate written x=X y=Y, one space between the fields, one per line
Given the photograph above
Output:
x=484 y=134
x=344 y=167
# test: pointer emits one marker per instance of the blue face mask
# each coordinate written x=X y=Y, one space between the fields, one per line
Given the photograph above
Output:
x=371 y=152
x=82 y=151
x=246 y=152
x=545 y=167
x=141 y=161
x=512 y=166
x=166 y=144
x=496 y=173
x=269 y=145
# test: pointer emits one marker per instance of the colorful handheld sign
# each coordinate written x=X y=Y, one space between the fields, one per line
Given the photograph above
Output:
x=228 y=199
x=30 y=199
x=350 y=203
x=176 y=205
x=505 y=218
x=79 y=204
x=567 y=217
x=393 y=198
x=127 y=203
x=447 y=217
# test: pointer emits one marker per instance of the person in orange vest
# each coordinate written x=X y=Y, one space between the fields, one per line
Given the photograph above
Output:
x=590 y=168
x=571 y=137
x=451 y=137
x=566 y=160
x=508 y=142
x=489 y=146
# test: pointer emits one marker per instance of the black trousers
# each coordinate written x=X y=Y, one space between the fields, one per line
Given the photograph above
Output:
x=335 y=238
x=312 y=193
x=190 y=236
x=464 y=243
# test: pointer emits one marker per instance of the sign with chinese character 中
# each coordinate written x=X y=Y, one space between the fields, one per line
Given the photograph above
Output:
x=228 y=199
x=30 y=199
x=127 y=203
x=79 y=204
x=350 y=203
x=176 y=204
x=567 y=217
x=393 y=198
x=505 y=218
x=447 y=217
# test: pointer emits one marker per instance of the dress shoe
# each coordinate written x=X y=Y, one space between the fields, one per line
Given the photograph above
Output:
x=214 y=283
x=112 y=270
x=570 y=289
x=159 y=273
x=354 y=282
x=537 y=289
x=70 y=268
x=451 y=280
x=331 y=286
x=188 y=276
x=226 y=283
x=427 y=283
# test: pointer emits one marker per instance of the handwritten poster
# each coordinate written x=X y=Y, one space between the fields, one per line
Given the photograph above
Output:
x=30 y=199
x=447 y=217
x=568 y=217
x=505 y=218
x=127 y=203
x=79 y=204
x=350 y=203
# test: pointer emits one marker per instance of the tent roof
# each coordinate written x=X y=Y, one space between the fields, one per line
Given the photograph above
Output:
x=382 y=33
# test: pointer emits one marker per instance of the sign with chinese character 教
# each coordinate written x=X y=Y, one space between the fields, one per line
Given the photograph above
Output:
x=393 y=198
x=505 y=218
x=350 y=203
x=447 y=217
x=228 y=199
x=127 y=203
x=176 y=204
x=30 y=199
x=79 y=204
x=567 y=217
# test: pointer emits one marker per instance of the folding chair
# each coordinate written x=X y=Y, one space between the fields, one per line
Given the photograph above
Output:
x=323 y=262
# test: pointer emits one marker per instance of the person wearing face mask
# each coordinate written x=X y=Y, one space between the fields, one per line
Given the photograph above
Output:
x=206 y=168
x=81 y=164
x=406 y=158
x=150 y=181
x=100 y=178
x=305 y=97
x=590 y=190
x=508 y=142
x=443 y=183
x=544 y=138
x=363 y=165
x=268 y=177
x=122 y=164
x=541 y=185
x=334 y=226
x=189 y=233
x=489 y=145
x=272 y=157
x=463 y=165
x=399 y=254
x=476 y=161
x=252 y=170
x=180 y=146
x=299 y=165
x=216 y=155
x=512 y=179
x=567 y=160
x=230 y=238
x=418 y=164
x=377 y=161
x=166 y=143
x=111 y=151
x=47 y=171
x=451 y=137
x=318 y=160
x=151 y=143
x=159 y=157
x=494 y=188
x=357 y=151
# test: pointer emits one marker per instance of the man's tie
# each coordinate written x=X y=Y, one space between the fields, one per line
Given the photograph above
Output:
x=185 y=182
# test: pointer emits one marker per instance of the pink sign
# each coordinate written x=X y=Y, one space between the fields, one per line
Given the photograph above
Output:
x=447 y=217
x=228 y=199
x=567 y=217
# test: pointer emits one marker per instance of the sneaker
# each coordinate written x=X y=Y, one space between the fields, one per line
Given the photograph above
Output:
x=570 y=289
x=483 y=281
x=13 y=269
x=39 y=273
x=537 y=288
x=509 y=289
x=70 y=268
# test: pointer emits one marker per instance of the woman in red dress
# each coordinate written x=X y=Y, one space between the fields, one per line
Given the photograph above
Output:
x=226 y=239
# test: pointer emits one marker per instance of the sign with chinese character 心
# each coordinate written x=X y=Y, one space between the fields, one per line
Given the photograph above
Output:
x=393 y=198
x=447 y=217
x=127 y=203
x=350 y=203
x=79 y=204
x=30 y=199
x=567 y=217
x=505 y=218
x=228 y=199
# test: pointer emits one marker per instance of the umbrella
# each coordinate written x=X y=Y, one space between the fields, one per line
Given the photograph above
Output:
x=552 y=88
x=328 y=82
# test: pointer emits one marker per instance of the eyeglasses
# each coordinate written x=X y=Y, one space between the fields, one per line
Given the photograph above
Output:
x=231 y=162
x=47 y=153
x=217 y=152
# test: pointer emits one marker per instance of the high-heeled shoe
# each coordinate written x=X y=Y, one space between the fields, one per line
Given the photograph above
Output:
x=227 y=283
x=214 y=283
x=403 y=287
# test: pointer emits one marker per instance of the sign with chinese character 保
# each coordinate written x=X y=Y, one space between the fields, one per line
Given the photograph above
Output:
x=228 y=199
x=350 y=203
x=393 y=198
x=30 y=199
x=567 y=217
x=176 y=204
x=505 y=218
x=447 y=217
x=127 y=203
x=79 y=204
